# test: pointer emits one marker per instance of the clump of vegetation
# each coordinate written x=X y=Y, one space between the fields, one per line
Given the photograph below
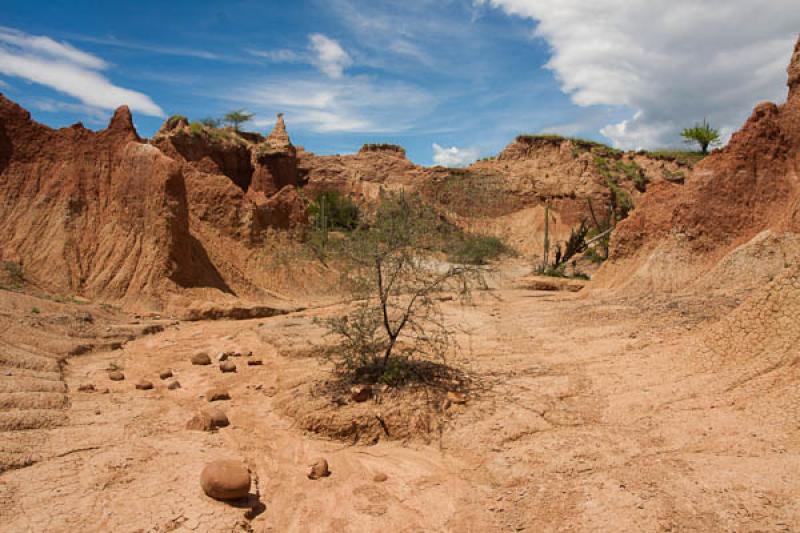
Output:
x=174 y=120
x=210 y=122
x=475 y=249
x=395 y=329
x=237 y=118
x=681 y=157
x=35 y=310
x=383 y=147
x=196 y=128
x=330 y=211
x=702 y=134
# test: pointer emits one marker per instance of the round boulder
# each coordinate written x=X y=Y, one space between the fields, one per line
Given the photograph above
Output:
x=218 y=417
x=227 y=366
x=319 y=469
x=201 y=358
x=225 y=480
x=116 y=375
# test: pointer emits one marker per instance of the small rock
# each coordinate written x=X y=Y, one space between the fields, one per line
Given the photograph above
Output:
x=222 y=356
x=319 y=469
x=200 y=422
x=218 y=418
x=144 y=385
x=380 y=477
x=166 y=374
x=236 y=354
x=225 y=480
x=174 y=385
x=248 y=353
x=86 y=387
x=201 y=358
x=254 y=362
x=227 y=366
x=216 y=394
x=116 y=375
x=361 y=393
x=457 y=397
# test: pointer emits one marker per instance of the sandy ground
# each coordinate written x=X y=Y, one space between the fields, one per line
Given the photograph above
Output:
x=591 y=415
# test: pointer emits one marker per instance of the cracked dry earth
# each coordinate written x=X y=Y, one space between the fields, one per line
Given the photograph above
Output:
x=592 y=415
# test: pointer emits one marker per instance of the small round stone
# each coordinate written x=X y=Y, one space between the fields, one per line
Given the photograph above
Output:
x=216 y=394
x=116 y=375
x=174 y=385
x=200 y=422
x=319 y=469
x=144 y=385
x=218 y=417
x=201 y=358
x=361 y=393
x=227 y=366
x=166 y=374
x=225 y=480
x=380 y=477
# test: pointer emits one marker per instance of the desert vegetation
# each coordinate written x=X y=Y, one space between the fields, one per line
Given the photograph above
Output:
x=396 y=325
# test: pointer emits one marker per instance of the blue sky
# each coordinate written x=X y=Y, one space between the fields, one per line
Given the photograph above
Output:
x=448 y=80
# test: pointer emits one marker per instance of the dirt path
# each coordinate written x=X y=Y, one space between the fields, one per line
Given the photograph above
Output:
x=594 y=416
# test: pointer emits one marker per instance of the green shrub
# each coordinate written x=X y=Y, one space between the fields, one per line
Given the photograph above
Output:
x=196 y=128
x=35 y=310
x=334 y=211
x=474 y=249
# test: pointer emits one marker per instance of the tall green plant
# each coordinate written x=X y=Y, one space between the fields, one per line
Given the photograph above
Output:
x=702 y=134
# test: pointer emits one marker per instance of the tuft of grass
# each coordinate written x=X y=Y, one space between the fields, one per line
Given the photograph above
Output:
x=682 y=157
x=35 y=310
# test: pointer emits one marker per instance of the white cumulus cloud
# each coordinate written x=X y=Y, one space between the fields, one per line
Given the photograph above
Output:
x=454 y=156
x=329 y=56
x=670 y=62
x=66 y=69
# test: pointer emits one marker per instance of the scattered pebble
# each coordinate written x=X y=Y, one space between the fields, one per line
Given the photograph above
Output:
x=222 y=356
x=216 y=394
x=86 y=387
x=254 y=362
x=225 y=480
x=227 y=366
x=218 y=417
x=144 y=385
x=174 y=385
x=166 y=374
x=319 y=469
x=200 y=422
x=361 y=393
x=201 y=358
x=116 y=375
x=380 y=477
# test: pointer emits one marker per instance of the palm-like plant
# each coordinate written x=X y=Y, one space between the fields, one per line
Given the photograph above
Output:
x=237 y=118
x=702 y=134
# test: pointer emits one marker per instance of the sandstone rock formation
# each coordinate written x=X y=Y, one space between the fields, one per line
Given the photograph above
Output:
x=739 y=201
x=100 y=214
